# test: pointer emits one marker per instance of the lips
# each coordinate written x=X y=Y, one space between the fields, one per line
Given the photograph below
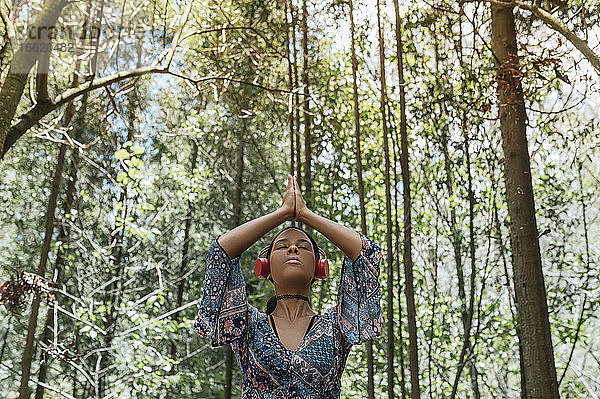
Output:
x=293 y=261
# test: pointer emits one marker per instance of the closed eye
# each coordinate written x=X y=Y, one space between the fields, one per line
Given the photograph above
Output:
x=303 y=247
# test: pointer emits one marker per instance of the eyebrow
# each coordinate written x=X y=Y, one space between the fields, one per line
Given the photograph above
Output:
x=299 y=240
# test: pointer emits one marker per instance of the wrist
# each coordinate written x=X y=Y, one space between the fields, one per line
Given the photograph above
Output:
x=283 y=214
x=305 y=217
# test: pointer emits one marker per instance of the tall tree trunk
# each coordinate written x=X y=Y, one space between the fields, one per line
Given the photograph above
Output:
x=291 y=85
x=467 y=313
x=538 y=356
x=296 y=94
x=508 y=284
x=388 y=214
x=186 y=245
x=237 y=220
x=22 y=62
x=63 y=237
x=468 y=319
x=306 y=112
x=361 y=188
x=407 y=253
x=49 y=229
x=64 y=232
x=397 y=256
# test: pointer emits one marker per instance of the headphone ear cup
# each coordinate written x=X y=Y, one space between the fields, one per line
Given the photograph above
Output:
x=261 y=268
x=322 y=268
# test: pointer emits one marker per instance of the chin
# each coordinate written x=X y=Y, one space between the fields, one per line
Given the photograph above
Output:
x=293 y=277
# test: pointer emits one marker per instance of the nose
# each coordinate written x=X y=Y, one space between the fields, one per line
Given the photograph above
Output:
x=293 y=248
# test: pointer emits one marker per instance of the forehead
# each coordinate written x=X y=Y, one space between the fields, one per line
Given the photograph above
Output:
x=292 y=235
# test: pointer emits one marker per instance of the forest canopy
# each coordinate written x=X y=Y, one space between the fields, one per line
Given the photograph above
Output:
x=462 y=136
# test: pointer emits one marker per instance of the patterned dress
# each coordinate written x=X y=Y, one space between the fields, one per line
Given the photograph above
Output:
x=269 y=370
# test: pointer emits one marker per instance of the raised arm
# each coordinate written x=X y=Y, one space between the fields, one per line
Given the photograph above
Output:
x=237 y=240
x=358 y=310
x=346 y=239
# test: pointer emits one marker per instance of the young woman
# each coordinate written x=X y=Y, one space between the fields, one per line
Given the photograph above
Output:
x=290 y=352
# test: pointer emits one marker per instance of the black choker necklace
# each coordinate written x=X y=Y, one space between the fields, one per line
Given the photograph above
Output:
x=291 y=296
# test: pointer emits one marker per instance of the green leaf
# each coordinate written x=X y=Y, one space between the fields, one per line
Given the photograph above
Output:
x=122 y=154
x=138 y=149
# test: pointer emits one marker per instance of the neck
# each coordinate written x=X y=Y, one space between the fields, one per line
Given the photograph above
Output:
x=291 y=309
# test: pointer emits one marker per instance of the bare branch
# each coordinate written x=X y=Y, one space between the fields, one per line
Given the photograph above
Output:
x=555 y=24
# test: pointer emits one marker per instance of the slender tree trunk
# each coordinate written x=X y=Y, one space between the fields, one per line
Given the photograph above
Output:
x=397 y=258
x=49 y=228
x=361 y=189
x=538 y=356
x=186 y=245
x=407 y=254
x=50 y=212
x=306 y=112
x=58 y=267
x=237 y=220
x=296 y=98
x=388 y=213
x=63 y=237
x=291 y=85
x=467 y=314
x=468 y=321
x=433 y=309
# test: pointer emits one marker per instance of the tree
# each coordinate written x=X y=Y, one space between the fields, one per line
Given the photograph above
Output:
x=388 y=213
x=538 y=355
x=41 y=36
x=306 y=110
x=359 y=178
x=407 y=247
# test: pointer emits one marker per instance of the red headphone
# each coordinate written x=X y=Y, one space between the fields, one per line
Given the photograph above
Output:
x=262 y=268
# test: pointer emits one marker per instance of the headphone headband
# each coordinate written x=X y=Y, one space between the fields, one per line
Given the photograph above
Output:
x=262 y=268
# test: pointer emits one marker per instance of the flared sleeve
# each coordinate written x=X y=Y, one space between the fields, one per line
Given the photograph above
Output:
x=358 y=308
x=223 y=314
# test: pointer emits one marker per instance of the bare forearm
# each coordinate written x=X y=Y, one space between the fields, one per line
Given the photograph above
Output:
x=344 y=238
x=239 y=239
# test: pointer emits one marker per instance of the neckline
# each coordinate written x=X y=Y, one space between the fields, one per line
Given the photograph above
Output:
x=273 y=329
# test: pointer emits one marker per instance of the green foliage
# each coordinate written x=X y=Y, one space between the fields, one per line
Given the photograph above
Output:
x=121 y=235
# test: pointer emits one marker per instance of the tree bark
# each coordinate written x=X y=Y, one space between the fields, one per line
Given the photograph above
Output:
x=293 y=11
x=22 y=62
x=397 y=260
x=49 y=228
x=388 y=213
x=63 y=236
x=186 y=246
x=467 y=313
x=237 y=220
x=407 y=253
x=361 y=188
x=291 y=85
x=538 y=356
x=306 y=112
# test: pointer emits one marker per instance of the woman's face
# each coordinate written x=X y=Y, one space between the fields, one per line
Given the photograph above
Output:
x=292 y=259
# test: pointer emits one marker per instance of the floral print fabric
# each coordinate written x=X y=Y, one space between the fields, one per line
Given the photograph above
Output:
x=269 y=370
